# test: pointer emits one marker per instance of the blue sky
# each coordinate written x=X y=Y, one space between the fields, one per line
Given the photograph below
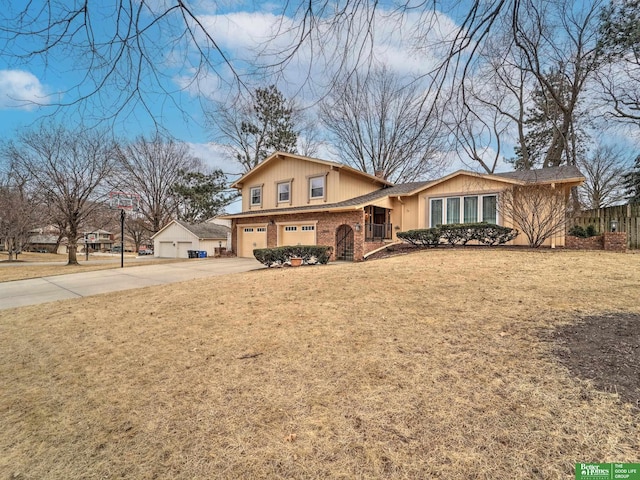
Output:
x=240 y=29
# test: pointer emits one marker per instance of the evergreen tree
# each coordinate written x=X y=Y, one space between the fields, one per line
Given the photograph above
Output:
x=256 y=129
x=199 y=196
x=552 y=137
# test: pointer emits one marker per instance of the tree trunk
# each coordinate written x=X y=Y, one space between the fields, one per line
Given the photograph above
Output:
x=72 y=242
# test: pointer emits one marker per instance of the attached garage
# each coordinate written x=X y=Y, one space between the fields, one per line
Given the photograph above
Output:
x=297 y=234
x=251 y=237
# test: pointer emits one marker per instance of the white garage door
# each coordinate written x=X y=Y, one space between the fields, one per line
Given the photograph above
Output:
x=166 y=250
x=302 y=234
x=183 y=248
x=250 y=237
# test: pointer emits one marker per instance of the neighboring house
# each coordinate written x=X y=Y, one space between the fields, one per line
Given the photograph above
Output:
x=294 y=200
x=45 y=242
x=176 y=238
x=96 y=241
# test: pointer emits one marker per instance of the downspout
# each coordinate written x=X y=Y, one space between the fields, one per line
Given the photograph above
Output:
x=399 y=198
x=553 y=237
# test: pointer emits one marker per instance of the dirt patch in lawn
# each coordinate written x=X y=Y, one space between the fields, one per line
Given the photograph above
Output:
x=604 y=349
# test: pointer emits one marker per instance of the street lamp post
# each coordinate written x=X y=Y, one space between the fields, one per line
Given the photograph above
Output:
x=122 y=238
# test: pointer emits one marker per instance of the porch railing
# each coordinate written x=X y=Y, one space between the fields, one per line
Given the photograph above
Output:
x=377 y=232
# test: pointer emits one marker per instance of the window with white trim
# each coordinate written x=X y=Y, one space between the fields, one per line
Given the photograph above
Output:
x=308 y=228
x=248 y=230
x=261 y=229
x=463 y=209
x=255 y=194
x=290 y=228
x=316 y=187
x=284 y=192
x=490 y=208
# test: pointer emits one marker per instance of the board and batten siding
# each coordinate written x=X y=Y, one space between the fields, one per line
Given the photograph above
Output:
x=467 y=185
x=175 y=233
x=339 y=185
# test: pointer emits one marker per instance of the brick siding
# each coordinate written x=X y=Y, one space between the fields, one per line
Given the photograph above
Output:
x=327 y=224
x=610 y=241
x=579 y=243
x=615 y=241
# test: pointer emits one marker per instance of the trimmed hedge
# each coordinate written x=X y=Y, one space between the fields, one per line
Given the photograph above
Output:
x=278 y=256
x=459 y=234
x=429 y=237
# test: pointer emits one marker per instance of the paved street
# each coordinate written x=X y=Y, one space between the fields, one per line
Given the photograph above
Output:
x=60 y=287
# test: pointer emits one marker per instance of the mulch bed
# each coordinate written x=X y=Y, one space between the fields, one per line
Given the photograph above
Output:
x=606 y=350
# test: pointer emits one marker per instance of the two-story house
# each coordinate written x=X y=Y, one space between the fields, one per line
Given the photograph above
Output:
x=294 y=200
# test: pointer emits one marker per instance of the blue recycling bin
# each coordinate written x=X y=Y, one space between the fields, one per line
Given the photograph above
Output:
x=202 y=254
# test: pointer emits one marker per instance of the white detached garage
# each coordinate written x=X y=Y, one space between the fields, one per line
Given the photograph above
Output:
x=176 y=238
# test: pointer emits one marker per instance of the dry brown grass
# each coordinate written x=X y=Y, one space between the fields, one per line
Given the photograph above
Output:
x=34 y=268
x=429 y=365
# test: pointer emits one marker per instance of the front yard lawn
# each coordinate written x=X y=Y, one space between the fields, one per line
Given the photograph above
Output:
x=440 y=364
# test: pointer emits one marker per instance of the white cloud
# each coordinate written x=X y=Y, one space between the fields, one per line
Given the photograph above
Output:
x=252 y=40
x=21 y=90
x=216 y=156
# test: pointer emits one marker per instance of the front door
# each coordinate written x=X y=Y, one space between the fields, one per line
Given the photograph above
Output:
x=344 y=243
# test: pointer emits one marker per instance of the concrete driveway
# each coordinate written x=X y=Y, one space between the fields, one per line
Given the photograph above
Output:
x=61 y=287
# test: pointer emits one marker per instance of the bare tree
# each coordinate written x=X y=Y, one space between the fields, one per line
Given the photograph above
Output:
x=385 y=127
x=488 y=112
x=68 y=169
x=620 y=47
x=137 y=228
x=150 y=167
x=19 y=213
x=558 y=41
x=124 y=62
x=537 y=210
x=604 y=169
x=126 y=52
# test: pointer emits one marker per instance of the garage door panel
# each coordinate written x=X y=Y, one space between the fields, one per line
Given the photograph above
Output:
x=183 y=249
x=302 y=234
x=166 y=250
x=250 y=238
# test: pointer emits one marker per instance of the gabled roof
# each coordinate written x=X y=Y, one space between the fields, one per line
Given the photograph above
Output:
x=204 y=231
x=238 y=183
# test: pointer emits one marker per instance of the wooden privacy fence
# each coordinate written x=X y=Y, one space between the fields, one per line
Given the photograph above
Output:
x=627 y=217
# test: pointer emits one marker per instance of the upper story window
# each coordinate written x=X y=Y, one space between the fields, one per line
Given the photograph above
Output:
x=469 y=209
x=255 y=194
x=284 y=192
x=316 y=187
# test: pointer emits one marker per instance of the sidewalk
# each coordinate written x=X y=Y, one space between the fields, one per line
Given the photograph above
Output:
x=74 y=285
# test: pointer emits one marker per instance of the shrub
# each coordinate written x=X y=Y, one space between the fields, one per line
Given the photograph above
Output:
x=429 y=237
x=278 y=256
x=579 y=231
x=459 y=234
x=591 y=230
